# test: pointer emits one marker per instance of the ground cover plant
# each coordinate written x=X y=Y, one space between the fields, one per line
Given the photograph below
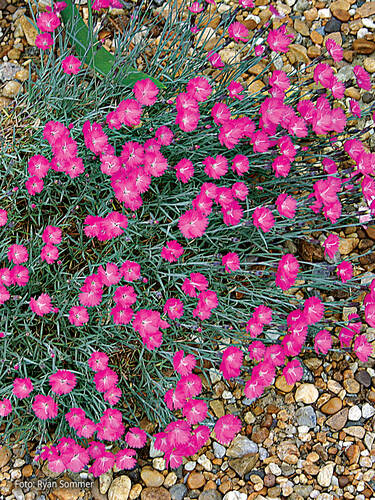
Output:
x=144 y=234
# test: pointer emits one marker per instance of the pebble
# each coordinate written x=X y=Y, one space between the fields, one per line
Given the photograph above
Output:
x=195 y=480
x=355 y=413
x=105 y=482
x=244 y=464
x=338 y=420
x=235 y=495
x=363 y=376
x=281 y=384
x=210 y=495
x=274 y=469
x=306 y=417
x=152 y=477
x=190 y=465
x=325 y=475
x=205 y=463
x=355 y=431
x=5 y=456
x=170 y=480
x=155 y=494
x=219 y=450
x=240 y=446
x=363 y=46
x=178 y=492
x=369 y=64
x=11 y=88
x=135 y=491
x=351 y=386
x=8 y=71
x=120 y=488
x=18 y=494
x=368 y=411
x=307 y=393
x=332 y=406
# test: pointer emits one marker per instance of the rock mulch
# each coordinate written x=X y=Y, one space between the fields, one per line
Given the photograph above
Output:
x=314 y=440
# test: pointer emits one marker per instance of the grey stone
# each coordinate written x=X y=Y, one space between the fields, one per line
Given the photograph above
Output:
x=210 y=495
x=306 y=416
x=219 y=450
x=244 y=464
x=303 y=490
x=302 y=5
x=241 y=445
x=178 y=491
x=332 y=26
x=8 y=71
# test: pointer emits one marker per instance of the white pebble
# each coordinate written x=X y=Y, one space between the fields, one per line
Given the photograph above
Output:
x=355 y=413
x=324 y=13
x=368 y=23
x=362 y=32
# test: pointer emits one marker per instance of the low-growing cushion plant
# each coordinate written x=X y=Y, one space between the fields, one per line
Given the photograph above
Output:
x=147 y=235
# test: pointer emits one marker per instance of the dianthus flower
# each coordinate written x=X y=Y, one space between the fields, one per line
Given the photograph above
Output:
x=184 y=170
x=286 y=205
x=238 y=32
x=279 y=39
x=75 y=417
x=105 y=379
x=363 y=348
x=174 y=308
x=125 y=459
x=42 y=305
x=189 y=386
x=38 y=166
x=226 y=428
x=231 y=262
x=17 y=254
x=322 y=342
x=78 y=315
x=62 y=382
x=231 y=362
x=22 y=387
x=44 y=41
x=293 y=372
x=345 y=271
x=183 y=364
x=263 y=219
x=71 y=65
x=34 y=185
x=48 y=21
x=199 y=88
x=313 y=310
x=49 y=253
x=5 y=407
x=195 y=411
x=102 y=464
x=135 y=437
x=113 y=395
x=172 y=251
x=146 y=92
x=44 y=407
x=192 y=224
x=215 y=60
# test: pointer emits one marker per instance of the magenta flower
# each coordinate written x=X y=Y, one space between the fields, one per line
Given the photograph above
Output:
x=22 y=387
x=257 y=350
x=102 y=464
x=363 y=78
x=231 y=362
x=313 y=310
x=293 y=372
x=279 y=39
x=281 y=166
x=231 y=262
x=86 y=429
x=135 y=437
x=146 y=92
x=334 y=50
x=238 y=32
x=184 y=170
x=226 y=428
x=370 y=314
x=44 y=41
x=38 y=166
x=17 y=254
x=49 y=253
x=164 y=135
x=42 y=305
x=189 y=386
x=215 y=60
x=130 y=271
x=78 y=315
x=195 y=411
x=3 y=217
x=363 y=348
x=113 y=395
x=240 y=164
x=4 y=294
x=105 y=379
x=199 y=88
x=76 y=458
x=322 y=342
x=183 y=364
x=71 y=65
x=98 y=361
x=125 y=459
x=287 y=271
x=34 y=185
x=192 y=224
x=331 y=245
x=235 y=89
x=62 y=382
x=263 y=219
x=286 y=205
x=345 y=271
x=5 y=407
x=172 y=251
x=44 y=407
x=75 y=417
x=48 y=21
x=174 y=308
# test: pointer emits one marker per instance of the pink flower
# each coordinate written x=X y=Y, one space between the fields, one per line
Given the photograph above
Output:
x=322 y=342
x=19 y=275
x=363 y=78
x=52 y=235
x=196 y=282
x=183 y=364
x=78 y=315
x=17 y=254
x=130 y=271
x=279 y=39
x=195 y=411
x=240 y=190
x=363 y=348
x=345 y=271
x=105 y=379
x=189 y=386
x=86 y=429
x=146 y=92
x=42 y=305
x=71 y=65
x=195 y=8
x=48 y=21
x=44 y=41
x=240 y=164
x=122 y=315
x=49 y=253
x=257 y=350
x=34 y=185
x=4 y=294
x=254 y=388
x=125 y=459
x=76 y=458
x=231 y=261
x=125 y=296
x=22 y=387
x=287 y=271
x=335 y=51
x=136 y=438
x=234 y=89
x=192 y=224
x=231 y=362
x=281 y=166
x=263 y=314
x=102 y=464
x=286 y=205
x=3 y=217
x=226 y=428
x=184 y=170
x=110 y=275
x=238 y=32
x=172 y=251
x=313 y=310
x=293 y=372
x=98 y=361
x=215 y=60
x=199 y=88
x=174 y=308
x=75 y=417
x=164 y=135
x=38 y=166
x=263 y=219
x=5 y=407
x=129 y=111
x=370 y=314
x=113 y=395
x=44 y=407
x=62 y=382
x=331 y=245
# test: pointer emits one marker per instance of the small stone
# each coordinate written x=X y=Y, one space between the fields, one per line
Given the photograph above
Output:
x=332 y=406
x=334 y=386
x=66 y=493
x=259 y=434
x=307 y=393
x=178 y=492
x=235 y=495
x=189 y=466
x=158 y=463
x=5 y=102
x=353 y=453
x=313 y=51
x=8 y=71
x=297 y=53
x=355 y=413
x=152 y=477
x=11 y=89
x=366 y=9
x=340 y=9
x=351 y=386
x=274 y=469
x=5 y=456
x=27 y=471
x=311 y=14
x=18 y=494
x=332 y=25
x=355 y=431
x=274 y=492
x=325 y=475
x=210 y=495
x=369 y=64
x=29 y=30
x=306 y=416
x=219 y=450
x=217 y=407
x=281 y=384
x=363 y=46
x=205 y=463
x=368 y=411
x=286 y=449
x=155 y=494
x=120 y=488
x=195 y=480
x=14 y=54
x=324 y=13
x=269 y=480
x=240 y=446
x=170 y=480
x=347 y=245
x=338 y=420
x=301 y=27
x=105 y=482
x=135 y=492
x=244 y=464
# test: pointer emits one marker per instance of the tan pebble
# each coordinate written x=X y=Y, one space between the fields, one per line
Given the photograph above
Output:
x=363 y=46
x=316 y=37
x=135 y=491
x=369 y=64
x=311 y=14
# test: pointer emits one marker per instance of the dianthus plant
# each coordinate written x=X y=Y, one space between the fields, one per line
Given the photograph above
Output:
x=149 y=236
